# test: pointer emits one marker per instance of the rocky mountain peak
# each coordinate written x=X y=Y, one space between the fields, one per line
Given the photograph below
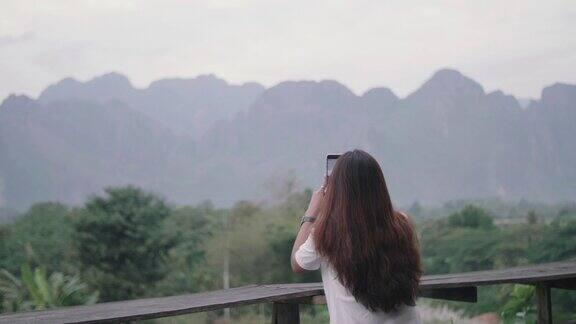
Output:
x=100 y=88
x=379 y=97
x=16 y=101
x=449 y=82
x=560 y=94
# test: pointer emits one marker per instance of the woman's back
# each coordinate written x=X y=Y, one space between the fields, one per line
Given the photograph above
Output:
x=367 y=252
x=342 y=305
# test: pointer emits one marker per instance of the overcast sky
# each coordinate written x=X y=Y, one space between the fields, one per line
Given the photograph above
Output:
x=516 y=46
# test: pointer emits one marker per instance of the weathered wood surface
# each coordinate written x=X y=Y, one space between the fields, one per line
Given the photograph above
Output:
x=544 y=303
x=463 y=294
x=167 y=306
x=555 y=271
x=285 y=313
x=201 y=302
x=564 y=284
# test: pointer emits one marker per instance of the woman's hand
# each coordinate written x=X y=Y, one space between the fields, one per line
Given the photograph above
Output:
x=316 y=201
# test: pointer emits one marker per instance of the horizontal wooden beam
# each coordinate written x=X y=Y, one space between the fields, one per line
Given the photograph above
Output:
x=462 y=294
x=313 y=300
x=526 y=274
x=459 y=287
x=148 y=308
x=563 y=284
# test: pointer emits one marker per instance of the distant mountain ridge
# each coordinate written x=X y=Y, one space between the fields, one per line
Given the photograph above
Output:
x=185 y=106
x=203 y=138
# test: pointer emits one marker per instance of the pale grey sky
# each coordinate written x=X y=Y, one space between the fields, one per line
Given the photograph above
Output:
x=517 y=46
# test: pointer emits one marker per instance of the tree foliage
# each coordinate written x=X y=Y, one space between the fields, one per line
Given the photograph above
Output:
x=119 y=242
x=40 y=237
x=471 y=217
x=35 y=290
x=128 y=243
x=189 y=228
x=520 y=305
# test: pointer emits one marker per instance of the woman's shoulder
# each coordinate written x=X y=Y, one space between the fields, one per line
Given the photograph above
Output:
x=402 y=216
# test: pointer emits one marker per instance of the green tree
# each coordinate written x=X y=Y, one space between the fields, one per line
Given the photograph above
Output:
x=35 y=290
x=558 y=244
x=190 y=227
x=531 y=217
x=472 y=217
x=520 y=305
x=41 y=236
x=415 y=210
x=119 y=242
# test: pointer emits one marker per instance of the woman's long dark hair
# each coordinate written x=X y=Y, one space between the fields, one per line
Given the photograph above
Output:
x=372 y=248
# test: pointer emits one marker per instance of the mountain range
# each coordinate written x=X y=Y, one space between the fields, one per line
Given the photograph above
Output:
x=204 y=138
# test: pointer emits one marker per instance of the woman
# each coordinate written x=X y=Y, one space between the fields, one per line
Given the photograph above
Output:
x=367 y=251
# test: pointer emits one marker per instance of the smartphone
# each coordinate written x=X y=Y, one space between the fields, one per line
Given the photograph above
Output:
x=330 y=162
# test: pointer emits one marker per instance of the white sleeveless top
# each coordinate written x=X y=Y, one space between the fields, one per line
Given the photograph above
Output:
x=342 y=306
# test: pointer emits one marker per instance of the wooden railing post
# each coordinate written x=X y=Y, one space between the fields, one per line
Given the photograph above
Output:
x=285 y=313
x=544 y=303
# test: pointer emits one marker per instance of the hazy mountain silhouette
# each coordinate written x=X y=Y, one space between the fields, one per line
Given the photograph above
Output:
x=192 y=139
x=185 y=106
x=67 y=149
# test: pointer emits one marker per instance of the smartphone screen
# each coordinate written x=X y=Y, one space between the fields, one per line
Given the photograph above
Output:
x=330 y=162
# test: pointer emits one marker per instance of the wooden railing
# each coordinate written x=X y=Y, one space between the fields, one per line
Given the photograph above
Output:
x=286 y=298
